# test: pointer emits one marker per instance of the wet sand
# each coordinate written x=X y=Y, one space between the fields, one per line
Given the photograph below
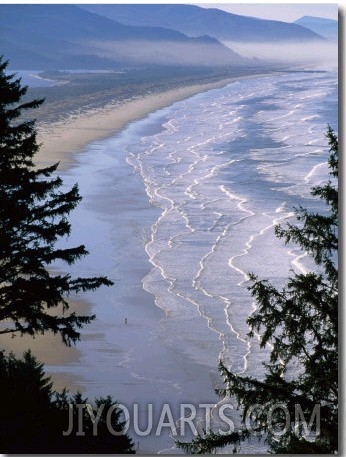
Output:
x=65 y=142
x=62 y=139
x=50 y=350
x=126 y=352
x=61 y=142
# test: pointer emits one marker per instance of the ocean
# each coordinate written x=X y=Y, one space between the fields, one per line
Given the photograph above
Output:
x=177 y=210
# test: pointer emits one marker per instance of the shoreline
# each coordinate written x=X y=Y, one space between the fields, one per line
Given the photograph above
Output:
x=61 y=140
x=51 y=351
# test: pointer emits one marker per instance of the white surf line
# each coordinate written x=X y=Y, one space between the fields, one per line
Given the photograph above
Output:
x=314 y=152
x=248 y=246
x=211 y=173
x=186 y=218
x=157 y=298
x=147 y=182
x=296 y=262
x=152 y=193
x=227 y=301
x=198 y=286
x=216 y=137
x=170 y=127
x=166 y=451
x=156 y=193
x=313 y=171
x=315 y=95
x=194 y=150
x=246 y=250
x=312 y=142
x=171 y=289
x=173 y=161
x=172 y=286
x=186 y=191
x=180 y=208
x=204 y=205
x=227 y=311
x=200 y=308
x=310 y=118
x=173 y=158
x=151 y=255
x=240 y=205
x=176 y=206
x=196 y=280
x=154 y=228
x=290 y=113
x=189 y=170
x=169 y=244
x=209 y=320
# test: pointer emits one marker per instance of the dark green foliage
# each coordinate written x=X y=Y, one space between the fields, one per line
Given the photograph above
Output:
x=34 y=417
x=300 y=322
x=105 y=436
x=210 y=441
x=33 y=217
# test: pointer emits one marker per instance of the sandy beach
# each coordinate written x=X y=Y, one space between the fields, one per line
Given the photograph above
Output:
x=62 y=139
x=160 y=329
x=113 y=357
x=50 y=350
x=61 y=142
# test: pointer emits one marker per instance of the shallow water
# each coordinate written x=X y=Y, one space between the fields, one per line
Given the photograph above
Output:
x=32 y=78
x=229 y=165
x=177 y=210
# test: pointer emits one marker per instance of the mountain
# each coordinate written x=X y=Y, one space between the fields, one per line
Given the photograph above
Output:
x=328 y=28
x=62 y=36
x=195 y=21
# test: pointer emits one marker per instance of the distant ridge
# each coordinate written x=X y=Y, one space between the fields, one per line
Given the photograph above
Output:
x=328 y=28
x=196 y=21
x=62 y=36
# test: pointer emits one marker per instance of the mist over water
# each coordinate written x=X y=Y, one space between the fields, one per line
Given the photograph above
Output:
x=195 y=191
x=321 y=55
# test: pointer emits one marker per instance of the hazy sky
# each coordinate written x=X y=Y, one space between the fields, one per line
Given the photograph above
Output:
x=287 y=12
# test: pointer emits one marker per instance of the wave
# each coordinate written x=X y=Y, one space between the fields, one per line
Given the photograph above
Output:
x=202 y=185
x=228 y=166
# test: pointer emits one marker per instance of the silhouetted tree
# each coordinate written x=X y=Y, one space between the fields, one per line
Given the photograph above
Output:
x=36 y=419
x=33 y=216
x=93 y=428
x=300 y=322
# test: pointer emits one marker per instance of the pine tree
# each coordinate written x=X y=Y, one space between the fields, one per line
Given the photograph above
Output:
x=25 y=400
x=33 y=216
x=35 y=418
x=300 y=322
x=101 y=424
